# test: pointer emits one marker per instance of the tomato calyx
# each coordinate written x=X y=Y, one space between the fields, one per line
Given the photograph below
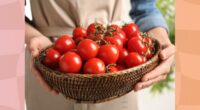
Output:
x=108 y=69
x=43 y=55
x=109 y=34
x=99 y=29
x=102 y=40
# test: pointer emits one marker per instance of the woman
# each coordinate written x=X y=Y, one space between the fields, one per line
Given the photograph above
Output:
x=52 y=18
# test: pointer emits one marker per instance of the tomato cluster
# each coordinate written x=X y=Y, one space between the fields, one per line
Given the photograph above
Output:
x=99 y=49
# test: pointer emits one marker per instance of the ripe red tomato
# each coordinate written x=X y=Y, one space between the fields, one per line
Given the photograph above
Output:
x=79 y=33
x=108 y=53
x=113 y=28
x=137 y=35
x=64 y=44
x=121 y=35
x=95 y=29
x=115 y=41
x=87 y=49
x=70 y=62
x=136 y=45
x=131 y=29
x=123 y=53
x=111 y=69
x=116 y=31
x=133 y=59
x=53 y=55
x=94 y=66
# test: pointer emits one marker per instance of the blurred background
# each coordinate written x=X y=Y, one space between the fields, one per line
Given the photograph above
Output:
x=160 y=96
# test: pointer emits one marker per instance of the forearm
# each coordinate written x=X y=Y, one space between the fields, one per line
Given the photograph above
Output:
x=146 y=15
x=30 y=32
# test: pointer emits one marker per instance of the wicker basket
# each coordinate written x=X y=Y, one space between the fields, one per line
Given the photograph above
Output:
x=89 y=88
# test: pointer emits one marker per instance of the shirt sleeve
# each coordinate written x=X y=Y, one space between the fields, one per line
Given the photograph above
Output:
x=146 y=15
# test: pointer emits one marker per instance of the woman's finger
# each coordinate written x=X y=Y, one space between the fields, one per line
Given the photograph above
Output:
x=146 y=84
x=38 y=43
x=153 y=81
x=163 y=68
x=33 y=47
x=35 y=53
x=167 y=52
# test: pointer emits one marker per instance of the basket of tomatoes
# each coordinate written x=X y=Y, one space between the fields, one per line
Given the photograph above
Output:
x=98 y=64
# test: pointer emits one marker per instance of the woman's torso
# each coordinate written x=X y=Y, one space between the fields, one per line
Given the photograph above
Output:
x=57 y=17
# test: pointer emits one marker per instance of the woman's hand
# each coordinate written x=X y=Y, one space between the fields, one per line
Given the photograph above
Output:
x=35 y=45
x=167 y=57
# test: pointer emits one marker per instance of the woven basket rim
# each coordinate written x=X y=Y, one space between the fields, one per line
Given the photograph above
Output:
x=113 y=74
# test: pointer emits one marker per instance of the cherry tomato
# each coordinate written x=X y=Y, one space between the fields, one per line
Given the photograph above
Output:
x=64 y=44
x=79 y=33
x=122 y=36
x=116 y=31
x=123 y=53
x=95 y=29
x=131 y=29
x=53 y=55
x=115 y=41
x=87 y=49
x=94 y=66
x=136 y=45
x=108 y=53
x=111 y=69
x=135 y=34
x=133 y=59
x=138 y=35
x=70 y=62
x=113 y=28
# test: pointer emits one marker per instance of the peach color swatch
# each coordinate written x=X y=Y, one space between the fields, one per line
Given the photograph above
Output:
x=187 y=55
